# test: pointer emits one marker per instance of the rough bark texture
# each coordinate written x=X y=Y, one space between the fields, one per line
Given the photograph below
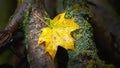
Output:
x=38 y=57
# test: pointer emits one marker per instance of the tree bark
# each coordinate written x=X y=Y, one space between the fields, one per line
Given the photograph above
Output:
x=38 y=57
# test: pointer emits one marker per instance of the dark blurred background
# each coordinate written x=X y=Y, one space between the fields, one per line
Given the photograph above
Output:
x=7 y=8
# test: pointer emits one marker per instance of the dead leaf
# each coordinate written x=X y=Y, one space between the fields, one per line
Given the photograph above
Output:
x=58 y=33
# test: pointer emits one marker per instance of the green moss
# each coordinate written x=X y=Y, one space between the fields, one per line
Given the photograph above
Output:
x=85 y=55
x=24 y=26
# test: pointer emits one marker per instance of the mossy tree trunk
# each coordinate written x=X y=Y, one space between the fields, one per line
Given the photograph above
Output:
x=85 y=55
x=86 y=52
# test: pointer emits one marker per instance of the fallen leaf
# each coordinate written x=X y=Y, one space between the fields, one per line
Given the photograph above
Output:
x=58 y=33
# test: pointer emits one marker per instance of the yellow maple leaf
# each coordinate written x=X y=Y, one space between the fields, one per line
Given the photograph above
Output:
x=58 y=33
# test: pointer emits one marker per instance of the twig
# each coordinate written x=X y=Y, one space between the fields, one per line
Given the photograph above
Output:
x=38 y=16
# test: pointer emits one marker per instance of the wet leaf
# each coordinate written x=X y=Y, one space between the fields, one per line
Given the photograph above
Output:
x=58 y=33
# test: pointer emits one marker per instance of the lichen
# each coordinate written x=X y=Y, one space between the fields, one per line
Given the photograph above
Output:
x=85 y=55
